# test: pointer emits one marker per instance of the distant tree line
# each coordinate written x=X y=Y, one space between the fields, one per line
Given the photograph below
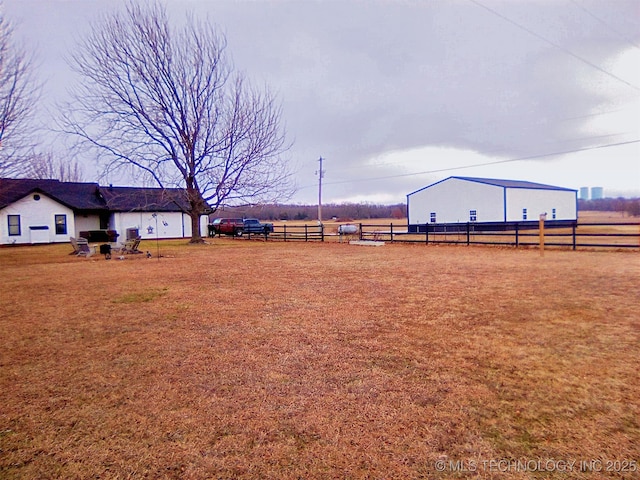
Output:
x=630 y=206
x=353 y=211
x=343 y=211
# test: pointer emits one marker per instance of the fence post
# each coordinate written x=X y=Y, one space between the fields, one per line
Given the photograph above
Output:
x=573 y=228
x=285 y=232
x=360 y=229
x=322 y=232
x=543 y=217
x=426 y=233
x=468 y=233
x=306 y=233
x=391 y=229
x=517 y=235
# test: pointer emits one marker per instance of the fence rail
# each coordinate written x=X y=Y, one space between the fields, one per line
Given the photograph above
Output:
x=573 y=235
x=569 y=235
x=293 y=233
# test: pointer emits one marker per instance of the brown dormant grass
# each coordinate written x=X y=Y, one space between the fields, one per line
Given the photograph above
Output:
x=243 y=359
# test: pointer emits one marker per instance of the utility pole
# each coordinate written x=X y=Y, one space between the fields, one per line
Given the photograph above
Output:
x=320 y=174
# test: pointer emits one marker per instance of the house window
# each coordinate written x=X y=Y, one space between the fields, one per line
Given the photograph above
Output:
x=61 y=224
x=553 y=213
x=433 y=217
x=473 y=215
x=14 y=224
x=524 y=213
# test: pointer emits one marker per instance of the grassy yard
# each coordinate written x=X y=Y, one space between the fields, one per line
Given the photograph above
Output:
x=250 y=359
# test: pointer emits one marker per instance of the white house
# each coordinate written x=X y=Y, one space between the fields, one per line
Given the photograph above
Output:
x=49 y=211
x=154 y=212
x=461 y=200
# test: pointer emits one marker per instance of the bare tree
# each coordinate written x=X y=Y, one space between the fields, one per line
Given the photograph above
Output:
x=166 y=102
x=19 y=94
x=46 y=165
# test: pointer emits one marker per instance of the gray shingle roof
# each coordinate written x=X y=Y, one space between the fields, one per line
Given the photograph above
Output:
x=75 y=195
x=135 y=199
x=91 y=196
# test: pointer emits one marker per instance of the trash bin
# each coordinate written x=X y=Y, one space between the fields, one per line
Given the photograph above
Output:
x=106 y=251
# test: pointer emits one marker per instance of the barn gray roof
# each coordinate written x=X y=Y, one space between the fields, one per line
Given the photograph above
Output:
x=503 y=184
x=513 y=183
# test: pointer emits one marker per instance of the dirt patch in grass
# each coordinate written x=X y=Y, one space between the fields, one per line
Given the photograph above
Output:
x=275 y=360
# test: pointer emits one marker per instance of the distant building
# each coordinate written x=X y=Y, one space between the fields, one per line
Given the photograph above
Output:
x=462 y=200
x=597 y=193
x=584 y=193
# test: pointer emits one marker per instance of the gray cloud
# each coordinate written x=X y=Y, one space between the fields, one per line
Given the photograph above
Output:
x=360 y=79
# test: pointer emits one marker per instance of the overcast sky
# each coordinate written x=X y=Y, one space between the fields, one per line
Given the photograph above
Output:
x=396 y=95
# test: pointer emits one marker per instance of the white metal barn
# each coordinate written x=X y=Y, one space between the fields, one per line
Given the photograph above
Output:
x=461 y=200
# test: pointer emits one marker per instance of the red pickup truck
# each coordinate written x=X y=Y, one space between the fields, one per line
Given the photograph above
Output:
x=226 y=226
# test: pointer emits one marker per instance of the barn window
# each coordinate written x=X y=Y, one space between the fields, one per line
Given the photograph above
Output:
x=553 y=213
x=61 y=224
x=473 y=215
x=433 y=217
x=14 y=224
x=524 y=213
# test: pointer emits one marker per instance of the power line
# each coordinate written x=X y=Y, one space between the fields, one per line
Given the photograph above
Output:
x=493 y=150
x=484 y=164
x=528 y=126
x=609 y=27
x=553 y=44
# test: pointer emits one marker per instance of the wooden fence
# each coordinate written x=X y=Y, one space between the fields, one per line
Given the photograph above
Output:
x=297 y=233
x=574 y=235
x=569 y=235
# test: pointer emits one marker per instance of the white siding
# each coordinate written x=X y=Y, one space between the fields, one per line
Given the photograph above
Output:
x=204 y=222
x=540 y=201
x=164 y=225
x=452 y=200
x=85 y=223
x=36 y=213
x=143 y=220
